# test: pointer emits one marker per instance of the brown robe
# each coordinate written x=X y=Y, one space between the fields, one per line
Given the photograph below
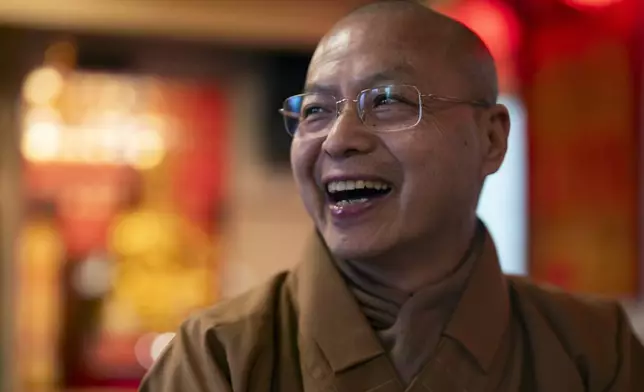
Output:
x=304 y=331
x=409 y=324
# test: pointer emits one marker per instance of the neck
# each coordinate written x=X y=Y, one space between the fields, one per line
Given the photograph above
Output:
x=408 y=299
x=422 y=262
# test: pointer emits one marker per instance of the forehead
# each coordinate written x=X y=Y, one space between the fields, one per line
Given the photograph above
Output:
x=360 y=55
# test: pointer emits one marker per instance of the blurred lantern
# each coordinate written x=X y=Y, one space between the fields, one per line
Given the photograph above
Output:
x=493 y=21
x=591 y=4
x=498 y=27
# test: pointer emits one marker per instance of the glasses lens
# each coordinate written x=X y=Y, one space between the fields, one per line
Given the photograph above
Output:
x=291 y=113
x=309 y=114
x=390 y=108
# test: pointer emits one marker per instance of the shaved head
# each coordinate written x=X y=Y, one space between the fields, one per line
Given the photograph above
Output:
x=414 y=94
x=441 y=37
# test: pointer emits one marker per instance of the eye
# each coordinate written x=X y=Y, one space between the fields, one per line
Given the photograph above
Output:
x=391 y=99
x=312 y=111
x=385 y=99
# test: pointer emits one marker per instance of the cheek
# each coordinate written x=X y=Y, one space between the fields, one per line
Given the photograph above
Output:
x=436 y=160
x=304 y=154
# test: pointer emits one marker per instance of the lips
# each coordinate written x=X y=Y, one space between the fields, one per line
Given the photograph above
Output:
x=352 y=197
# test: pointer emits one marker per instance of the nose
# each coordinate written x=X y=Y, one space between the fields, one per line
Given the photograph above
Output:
x=348 y=137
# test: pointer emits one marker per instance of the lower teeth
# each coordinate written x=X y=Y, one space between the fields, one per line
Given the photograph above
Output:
x=343 y=203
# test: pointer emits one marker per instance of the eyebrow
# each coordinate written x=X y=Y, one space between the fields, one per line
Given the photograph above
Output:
x=396 y=73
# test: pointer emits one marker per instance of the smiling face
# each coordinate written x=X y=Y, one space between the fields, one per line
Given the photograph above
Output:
x=415 y=184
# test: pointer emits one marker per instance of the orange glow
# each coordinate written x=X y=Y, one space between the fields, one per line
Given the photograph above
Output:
x=51 y=142
x=89 y=119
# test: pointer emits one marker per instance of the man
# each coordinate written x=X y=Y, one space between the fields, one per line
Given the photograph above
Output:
x=402 y=291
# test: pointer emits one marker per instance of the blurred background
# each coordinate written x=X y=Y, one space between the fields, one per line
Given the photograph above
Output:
x=144 y=168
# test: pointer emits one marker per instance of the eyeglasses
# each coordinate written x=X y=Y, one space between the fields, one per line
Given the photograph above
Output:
x=382 y=109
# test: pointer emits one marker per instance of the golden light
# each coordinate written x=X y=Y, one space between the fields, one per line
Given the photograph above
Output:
x=42 y=86
x=41 y=142
x=41 y=246
x=137 y=233
x=94 y=122
x=117 y=96
x=108 y=145
x=40 y=114
x=150 y=149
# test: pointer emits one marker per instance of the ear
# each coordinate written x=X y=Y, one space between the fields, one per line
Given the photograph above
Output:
x=495 y=128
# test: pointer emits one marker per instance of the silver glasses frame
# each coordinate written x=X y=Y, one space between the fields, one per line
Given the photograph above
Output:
x=431 y=97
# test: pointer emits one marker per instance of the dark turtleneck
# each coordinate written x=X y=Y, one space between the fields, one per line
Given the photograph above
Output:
x=408 y=324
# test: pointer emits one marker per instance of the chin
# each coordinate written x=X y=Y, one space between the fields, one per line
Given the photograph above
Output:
x=355 y=246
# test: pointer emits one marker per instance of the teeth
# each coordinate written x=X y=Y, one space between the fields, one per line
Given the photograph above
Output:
x=337 y=186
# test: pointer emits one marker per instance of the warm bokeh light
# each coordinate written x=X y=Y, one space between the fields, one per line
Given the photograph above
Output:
x=149 y=347
x=50 y=142
x=148 y=149
x=41 y=142
x=97 y=121
x=39 y=114
x=589 y=4
x=143 y=231
x=43 y=85
x=494 y=21
x=499 y=27
x=40 y=250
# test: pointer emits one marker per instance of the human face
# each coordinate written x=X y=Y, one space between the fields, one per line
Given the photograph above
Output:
x=432 y=172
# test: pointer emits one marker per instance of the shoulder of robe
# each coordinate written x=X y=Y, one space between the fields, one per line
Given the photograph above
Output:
x=246 y=312
x=590 y=329
x=564 y=309
x=236 y=330
x=215 y=348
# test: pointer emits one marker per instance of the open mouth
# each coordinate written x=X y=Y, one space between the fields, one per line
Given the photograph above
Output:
x=356 y=191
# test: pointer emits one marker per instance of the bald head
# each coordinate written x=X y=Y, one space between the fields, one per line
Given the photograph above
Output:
x=429 y=35
x=433 y=153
